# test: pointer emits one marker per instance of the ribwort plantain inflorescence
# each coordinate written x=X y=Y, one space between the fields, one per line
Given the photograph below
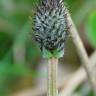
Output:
x=51 y=27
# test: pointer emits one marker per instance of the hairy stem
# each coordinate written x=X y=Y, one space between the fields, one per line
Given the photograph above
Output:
x=52 y=77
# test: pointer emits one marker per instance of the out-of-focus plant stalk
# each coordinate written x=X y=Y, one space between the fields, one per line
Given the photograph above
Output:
x=82 y=52
x=52 y=77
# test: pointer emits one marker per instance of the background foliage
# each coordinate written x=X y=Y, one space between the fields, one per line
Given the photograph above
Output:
x=19 y=55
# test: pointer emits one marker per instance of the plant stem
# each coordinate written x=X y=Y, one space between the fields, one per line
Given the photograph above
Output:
x=82 y=52
x=52 y=77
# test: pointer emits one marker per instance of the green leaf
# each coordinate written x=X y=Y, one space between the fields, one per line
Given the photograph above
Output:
x=17 y=70
x=83 y=90
x=58 y=54
x=47 y=54
x=91 y=28
x=5 y=43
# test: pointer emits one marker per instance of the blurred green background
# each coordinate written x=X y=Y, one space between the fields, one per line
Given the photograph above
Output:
x=20 y=56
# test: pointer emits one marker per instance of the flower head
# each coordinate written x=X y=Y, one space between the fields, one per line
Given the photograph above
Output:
x=51 y=27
